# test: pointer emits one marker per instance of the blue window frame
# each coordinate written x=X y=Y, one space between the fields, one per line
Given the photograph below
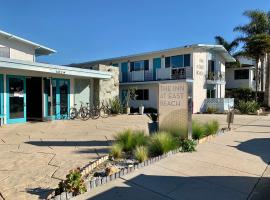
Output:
x=177 y=61
x=139 y=65
x=187 y=60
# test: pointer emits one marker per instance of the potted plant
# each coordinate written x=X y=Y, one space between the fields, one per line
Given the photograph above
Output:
x=153 y=125
x=131 y=95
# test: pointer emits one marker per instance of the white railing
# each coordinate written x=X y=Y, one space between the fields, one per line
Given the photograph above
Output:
x=137 y=75
x=220 y=104
x=163 y=73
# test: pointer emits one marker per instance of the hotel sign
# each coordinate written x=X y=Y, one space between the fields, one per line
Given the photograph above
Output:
x=173 y=107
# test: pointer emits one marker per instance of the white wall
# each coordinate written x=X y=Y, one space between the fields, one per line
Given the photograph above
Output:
x=240 y=83
x=18 y=50
x=153 y=95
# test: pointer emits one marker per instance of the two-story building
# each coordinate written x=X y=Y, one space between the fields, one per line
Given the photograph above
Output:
x=30 y=90
x=201 y=64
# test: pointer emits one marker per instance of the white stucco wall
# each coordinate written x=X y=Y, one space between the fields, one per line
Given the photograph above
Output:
x=153 y=95
x=18 y=50
x=240 y=83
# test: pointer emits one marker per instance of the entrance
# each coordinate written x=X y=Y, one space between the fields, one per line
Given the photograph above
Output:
x=56 y=107
x=34 y=99
x=16 y=99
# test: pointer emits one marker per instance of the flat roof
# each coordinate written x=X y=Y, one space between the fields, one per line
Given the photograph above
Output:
x=8 y=63
x=39 y=49
x=218 y=48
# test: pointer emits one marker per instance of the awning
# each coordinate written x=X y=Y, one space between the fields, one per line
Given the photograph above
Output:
x=8 y=63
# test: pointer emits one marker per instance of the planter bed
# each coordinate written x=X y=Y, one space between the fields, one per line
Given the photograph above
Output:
x=94 y=174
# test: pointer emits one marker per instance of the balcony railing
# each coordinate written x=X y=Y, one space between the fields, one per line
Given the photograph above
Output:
x=161 y=74
x=214 y=77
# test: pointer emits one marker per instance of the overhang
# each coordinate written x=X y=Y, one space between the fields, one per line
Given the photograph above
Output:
x=7 y=63
x=217 y=48
x=39 y=49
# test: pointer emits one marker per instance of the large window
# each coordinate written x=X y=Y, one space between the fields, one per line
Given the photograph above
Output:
x=142 y=94
x=178 y=61
x=139 y=65
x=241 y=74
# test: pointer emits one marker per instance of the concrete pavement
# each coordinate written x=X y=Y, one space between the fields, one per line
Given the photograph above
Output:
x=232 y=166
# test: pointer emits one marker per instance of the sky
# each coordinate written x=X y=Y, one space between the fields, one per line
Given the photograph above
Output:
x=85 y=30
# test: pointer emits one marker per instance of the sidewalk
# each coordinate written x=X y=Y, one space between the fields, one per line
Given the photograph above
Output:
x=228 y=167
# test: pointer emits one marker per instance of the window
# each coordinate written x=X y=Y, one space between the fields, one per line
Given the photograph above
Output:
x=139 y=65
x=211 y=93
x=142 y=94
x=4 y=52
x=177 y=61
x=115 y=64
x=187 y=60
x=241 y=74
x=211 y=66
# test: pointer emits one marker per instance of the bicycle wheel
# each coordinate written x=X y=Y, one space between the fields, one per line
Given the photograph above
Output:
x=73 y=113
x=84 y=114
x=104 y=113
x=95 y=113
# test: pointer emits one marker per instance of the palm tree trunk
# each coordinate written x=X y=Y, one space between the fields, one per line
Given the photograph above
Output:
x=267 y=82
x=256 y=79
x=262 y=75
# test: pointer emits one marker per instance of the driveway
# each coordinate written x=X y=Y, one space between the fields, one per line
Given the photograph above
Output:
x=228 y=167
x=36 y=156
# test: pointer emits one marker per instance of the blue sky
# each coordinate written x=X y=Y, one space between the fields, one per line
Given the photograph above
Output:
x=84 y=30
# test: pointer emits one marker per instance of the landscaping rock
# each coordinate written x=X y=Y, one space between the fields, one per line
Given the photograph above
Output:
x=111 y=170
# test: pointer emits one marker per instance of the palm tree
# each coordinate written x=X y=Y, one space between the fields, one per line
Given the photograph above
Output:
x=257 y=47
x=257 y=28
x=230 y=47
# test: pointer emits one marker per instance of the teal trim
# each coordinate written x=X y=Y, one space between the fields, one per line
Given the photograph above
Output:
x=1 y=95
x=124 y=71
x=156 y=65
x=18 y=120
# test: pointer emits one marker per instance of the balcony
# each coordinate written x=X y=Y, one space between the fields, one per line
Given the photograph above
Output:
x=215 y=78
x=161 y=74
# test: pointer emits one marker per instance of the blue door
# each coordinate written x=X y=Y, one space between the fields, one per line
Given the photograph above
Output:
x=1 y=95
x=16 y=99
x=124 y=71
x=156 y=65
x=60 y=98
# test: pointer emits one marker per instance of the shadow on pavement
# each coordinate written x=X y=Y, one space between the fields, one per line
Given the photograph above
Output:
x=69 y=143
x=259 y=147
x=170 y=187
x=40 y=192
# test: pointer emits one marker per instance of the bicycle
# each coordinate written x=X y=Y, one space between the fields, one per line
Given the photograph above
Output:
x=82 y=113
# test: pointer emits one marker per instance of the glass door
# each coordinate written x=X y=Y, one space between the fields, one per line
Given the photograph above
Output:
x=16 y=99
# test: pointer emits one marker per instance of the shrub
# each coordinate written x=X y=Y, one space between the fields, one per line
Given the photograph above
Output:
x=188 y=145
x=198 y=131
x=139 y=139
x=130 y=139
x=125 y=139
x=74 y=183
x=211 y=127
x=211 y=110
x=116 y=150
x=141 y=153
x=246 y=107
x=161 y=143
x=115 y=106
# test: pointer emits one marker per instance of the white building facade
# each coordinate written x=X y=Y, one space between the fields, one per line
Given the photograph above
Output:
x=203 y=65
x=36 y=91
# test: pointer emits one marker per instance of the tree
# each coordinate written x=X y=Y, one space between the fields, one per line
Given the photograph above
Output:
x=256 y=47
x=257 y=29
x=230 y=47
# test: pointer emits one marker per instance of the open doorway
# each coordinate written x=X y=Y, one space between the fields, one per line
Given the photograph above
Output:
x=34 y=99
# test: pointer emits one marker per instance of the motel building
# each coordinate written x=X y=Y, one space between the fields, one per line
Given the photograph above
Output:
x=202 y=65
x=30 y=90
